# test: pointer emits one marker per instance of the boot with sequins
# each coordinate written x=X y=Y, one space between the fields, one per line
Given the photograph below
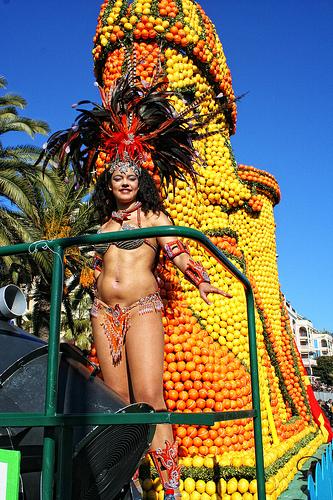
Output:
x=166 y=463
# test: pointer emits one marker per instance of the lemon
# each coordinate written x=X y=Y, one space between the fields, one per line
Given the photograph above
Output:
x=157 y=484
x=222 y=486
x=187 y=462
x=185 y=495
x=189 y=485
x=232 y=485
x=195 y=495
x=271 y=485
x=236 y=496
x=210 y=487
x=243 y=485
x=197 y=461
x=249 y=461
x=200 y=486
x=247 y=496
x=253 y=486
x=205 y=496
x=209 y=462
x=237 y=461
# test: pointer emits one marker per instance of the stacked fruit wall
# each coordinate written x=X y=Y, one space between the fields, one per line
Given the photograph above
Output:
x=206 y=347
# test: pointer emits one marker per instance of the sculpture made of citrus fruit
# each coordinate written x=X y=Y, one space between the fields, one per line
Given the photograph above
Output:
x=206 y=347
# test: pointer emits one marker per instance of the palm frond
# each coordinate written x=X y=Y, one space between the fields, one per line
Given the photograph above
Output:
x=3 y=82
x=22 y=124
x=8 y=112
x=28 y=153
x=13 y=100
x=17 y=190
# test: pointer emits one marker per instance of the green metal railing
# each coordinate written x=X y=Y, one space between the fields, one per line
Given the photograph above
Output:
x=58 y=427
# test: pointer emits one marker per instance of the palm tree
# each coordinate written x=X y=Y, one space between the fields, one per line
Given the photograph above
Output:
x=10 y=121
x=37 y=205
x=16 y=169
x=64 y=213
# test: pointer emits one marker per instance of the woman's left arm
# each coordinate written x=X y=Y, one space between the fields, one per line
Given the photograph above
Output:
x=193 y=271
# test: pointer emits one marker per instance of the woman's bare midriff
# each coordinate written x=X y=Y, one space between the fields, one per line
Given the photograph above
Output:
x=126 y=276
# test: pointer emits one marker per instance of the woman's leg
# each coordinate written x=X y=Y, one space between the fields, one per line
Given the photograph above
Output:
x=145 y=354
x=115 y=377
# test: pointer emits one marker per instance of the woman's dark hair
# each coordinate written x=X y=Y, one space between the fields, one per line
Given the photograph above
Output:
x=105 y=202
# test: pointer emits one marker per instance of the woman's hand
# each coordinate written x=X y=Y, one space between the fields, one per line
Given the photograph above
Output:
x=206 y=288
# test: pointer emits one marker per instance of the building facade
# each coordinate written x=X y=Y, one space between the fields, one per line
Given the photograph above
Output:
x=311 y=342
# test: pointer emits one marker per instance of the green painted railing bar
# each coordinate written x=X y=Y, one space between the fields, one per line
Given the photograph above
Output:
x=50 y=420
x=52 y=369
x=255 y=394
x=64 y=469
x=33 y=419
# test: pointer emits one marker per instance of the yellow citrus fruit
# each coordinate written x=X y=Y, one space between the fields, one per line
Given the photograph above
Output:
x=209 y=462
x=243 y=485
x=195 y=495
x=224 y=461
x=210 y=487
x=237 y=461
x=271 y=497
x=247 y=496
x=185 y=495
x=187 y=461
x=200 y=486
x=236 y=496
x=253 y=486
x=197 y=461
x=232 y=485
x=271 y=485
x=189 y=485
x=157 y=484
x=222 y=486
x=249 y=461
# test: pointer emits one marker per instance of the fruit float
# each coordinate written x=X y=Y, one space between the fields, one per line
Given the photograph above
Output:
x=206 y=365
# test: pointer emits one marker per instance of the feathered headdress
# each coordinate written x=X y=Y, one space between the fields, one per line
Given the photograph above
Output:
x=136 y=122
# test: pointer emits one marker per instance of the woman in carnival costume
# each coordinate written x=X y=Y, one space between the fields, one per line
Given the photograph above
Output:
x=135 y=124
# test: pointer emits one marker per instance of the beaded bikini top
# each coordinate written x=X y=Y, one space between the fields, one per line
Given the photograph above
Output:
x=121 y=216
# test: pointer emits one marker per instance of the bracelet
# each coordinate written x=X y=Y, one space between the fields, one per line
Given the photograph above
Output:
x=175 y=248
x=196 y=274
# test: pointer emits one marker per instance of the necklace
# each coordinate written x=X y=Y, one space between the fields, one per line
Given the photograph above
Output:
x=121 y=215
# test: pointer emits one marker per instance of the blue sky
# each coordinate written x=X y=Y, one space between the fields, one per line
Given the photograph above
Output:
x=278 y=52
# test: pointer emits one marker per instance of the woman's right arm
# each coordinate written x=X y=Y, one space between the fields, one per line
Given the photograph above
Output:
x=193 y=271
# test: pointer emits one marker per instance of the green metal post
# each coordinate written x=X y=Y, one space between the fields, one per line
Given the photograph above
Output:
x=258 y=445
x=52 y=372
x=64 y=460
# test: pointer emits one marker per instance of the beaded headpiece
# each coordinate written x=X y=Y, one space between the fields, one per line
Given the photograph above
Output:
x=135 y=124
x=123 y=164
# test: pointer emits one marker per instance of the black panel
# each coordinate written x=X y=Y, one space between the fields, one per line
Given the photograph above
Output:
x=105 y=457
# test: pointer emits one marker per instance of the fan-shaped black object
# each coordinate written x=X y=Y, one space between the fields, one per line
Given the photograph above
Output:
x=104 y=457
